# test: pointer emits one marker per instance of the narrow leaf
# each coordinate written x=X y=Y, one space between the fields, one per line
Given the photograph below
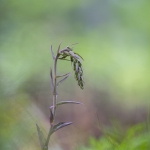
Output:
x=51 y=75
x=53 y=56
x=61 y=125
x=51 y=116
x=68 y=102
x=58 y=48
x=51 y=107
x=62 y=75
x=63 y=79
x=41 y=137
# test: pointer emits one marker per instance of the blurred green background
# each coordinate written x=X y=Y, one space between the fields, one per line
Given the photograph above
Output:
x=114 y=40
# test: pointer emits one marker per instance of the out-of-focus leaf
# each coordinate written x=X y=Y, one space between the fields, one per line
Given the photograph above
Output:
x=41 y=137
x=68 y=102
x=61 y=125
x=53 y=56
x=62 y=75
x=63 y=79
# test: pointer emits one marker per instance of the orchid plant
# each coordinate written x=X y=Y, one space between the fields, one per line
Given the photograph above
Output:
x=75 y=59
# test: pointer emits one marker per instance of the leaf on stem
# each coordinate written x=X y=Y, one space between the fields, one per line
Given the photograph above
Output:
x=62 y=75
x=51 y=75
x=51 y=107
x=51 y=116
x=58 y=48
x=63 y=79
x=68 y=102
x=41 y=137
x=61 y=125
x=53 y=56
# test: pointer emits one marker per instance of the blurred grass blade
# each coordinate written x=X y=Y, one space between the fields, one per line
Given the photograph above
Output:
x=63 y=79
x=61 y=125
x=53 y=56
x=62 y=75
x=68 y=102
x=41 y=137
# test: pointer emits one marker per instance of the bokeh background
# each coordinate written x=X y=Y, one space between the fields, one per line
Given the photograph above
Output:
x=114 y=40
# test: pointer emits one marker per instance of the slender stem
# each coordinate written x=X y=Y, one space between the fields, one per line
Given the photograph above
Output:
x=55 y=87
x=48 y=138
x=54 y=101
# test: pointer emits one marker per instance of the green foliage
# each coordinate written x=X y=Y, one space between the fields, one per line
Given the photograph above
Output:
x=119 y=44
x=134 y=138
x=17 y=124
